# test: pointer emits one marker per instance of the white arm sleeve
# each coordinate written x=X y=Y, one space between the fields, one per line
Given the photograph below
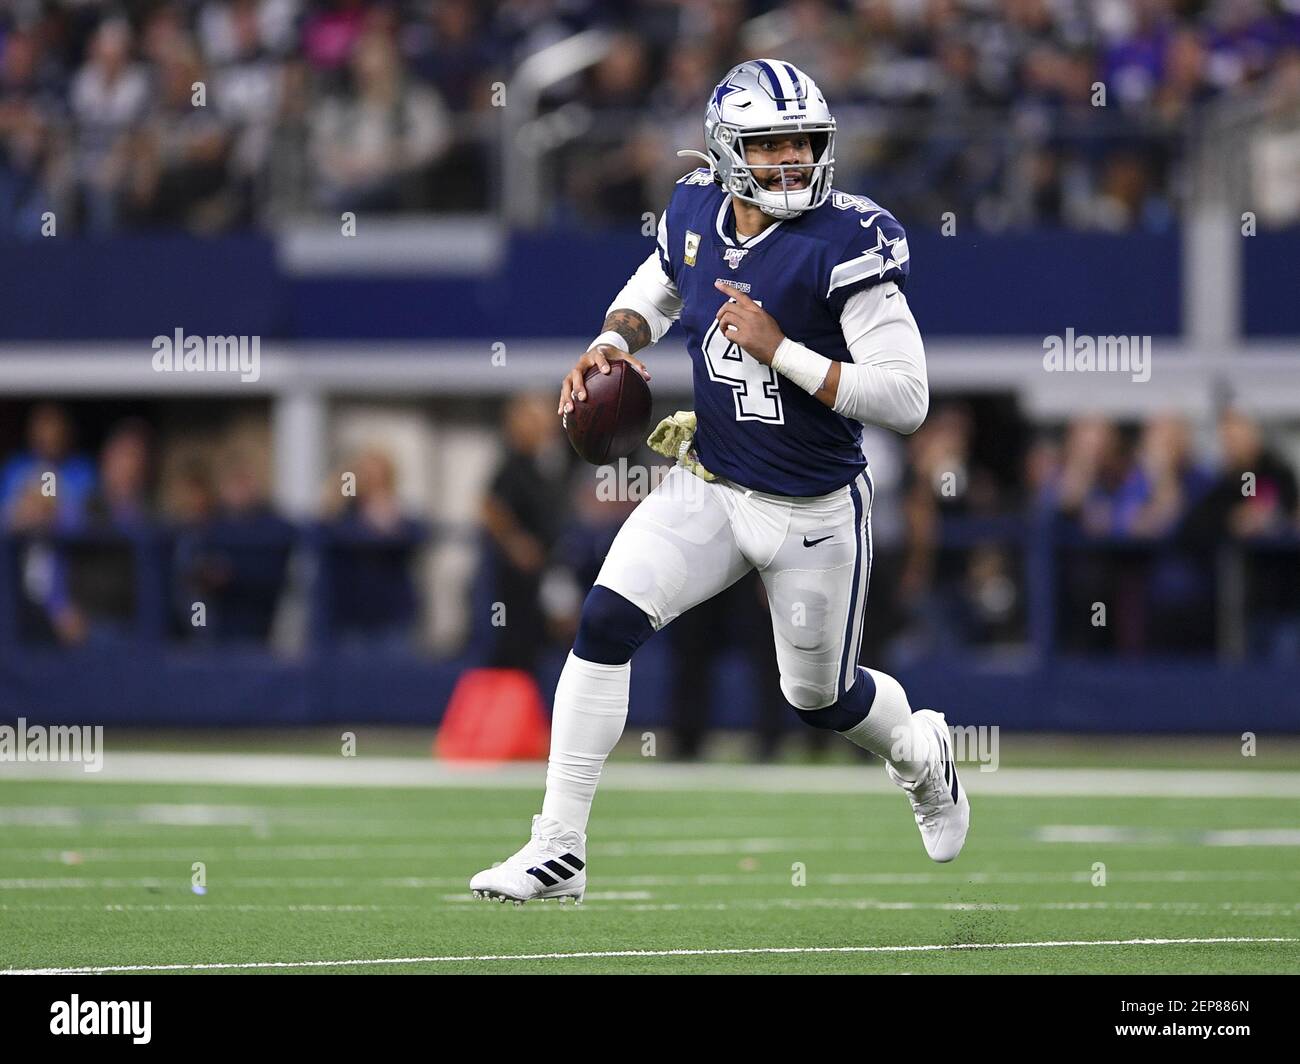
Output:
x=651 y=292
x=886 y=383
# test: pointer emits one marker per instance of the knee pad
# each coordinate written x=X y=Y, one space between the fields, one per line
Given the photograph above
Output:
x=847 y=711
x=610 y=628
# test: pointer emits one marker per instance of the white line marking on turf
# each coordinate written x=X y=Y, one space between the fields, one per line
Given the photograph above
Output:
x=311 y=770
x=197 y=908
x=380 y=850
x=599 y=954
x=1108 y=833
x=640 y=901
x=1253 y=837
x=1269 y=910
x=1180 y=908
x=838 y=879
x=126 y=819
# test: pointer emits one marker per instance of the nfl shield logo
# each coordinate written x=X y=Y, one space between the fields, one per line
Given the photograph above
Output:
x=734 y=255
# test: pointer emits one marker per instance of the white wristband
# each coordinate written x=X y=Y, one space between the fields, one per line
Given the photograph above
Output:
x=802 y=365
x=613 y=339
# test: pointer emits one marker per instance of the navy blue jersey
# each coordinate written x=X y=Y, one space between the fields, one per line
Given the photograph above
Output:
x=757 y=428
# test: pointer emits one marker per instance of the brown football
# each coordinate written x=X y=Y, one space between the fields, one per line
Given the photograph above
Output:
x=614 y=419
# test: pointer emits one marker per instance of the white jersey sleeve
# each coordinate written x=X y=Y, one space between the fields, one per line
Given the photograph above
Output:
x=651 y=292
x=886 y=382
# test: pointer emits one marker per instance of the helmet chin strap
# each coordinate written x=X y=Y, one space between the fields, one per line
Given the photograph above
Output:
x=785 y=206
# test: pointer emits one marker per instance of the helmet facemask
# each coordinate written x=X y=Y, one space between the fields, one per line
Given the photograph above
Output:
x=736 y=173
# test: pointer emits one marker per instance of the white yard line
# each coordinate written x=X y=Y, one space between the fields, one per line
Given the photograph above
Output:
x=1271 y=910
x=631 y=902
x=1148 y=837
x=601 y=954
x=642 y=901
x=722 y=880
x=198 y=908
x=279 y=770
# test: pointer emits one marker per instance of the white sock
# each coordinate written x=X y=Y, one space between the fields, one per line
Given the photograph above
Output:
x=588 y=718
x=888 y=730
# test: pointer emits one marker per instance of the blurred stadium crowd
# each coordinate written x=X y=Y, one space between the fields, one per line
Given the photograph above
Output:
x=1140 y=516
x=95 y=534
x=986 y=108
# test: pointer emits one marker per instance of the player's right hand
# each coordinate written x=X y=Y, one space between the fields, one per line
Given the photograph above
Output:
x=599 y=356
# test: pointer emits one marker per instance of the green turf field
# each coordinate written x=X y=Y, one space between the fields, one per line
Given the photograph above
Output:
x=96 y=872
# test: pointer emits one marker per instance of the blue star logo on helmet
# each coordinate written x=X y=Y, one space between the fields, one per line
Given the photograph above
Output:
x=724 y=89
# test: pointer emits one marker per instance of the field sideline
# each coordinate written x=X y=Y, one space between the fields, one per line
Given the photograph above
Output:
x=322 y=864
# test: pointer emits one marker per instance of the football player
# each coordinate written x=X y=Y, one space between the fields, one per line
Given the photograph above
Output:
x=790 y=294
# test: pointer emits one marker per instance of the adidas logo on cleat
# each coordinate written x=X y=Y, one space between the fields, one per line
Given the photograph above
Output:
x=548 y=880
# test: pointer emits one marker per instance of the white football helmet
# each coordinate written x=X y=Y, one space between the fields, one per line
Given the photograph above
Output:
x=762 y=97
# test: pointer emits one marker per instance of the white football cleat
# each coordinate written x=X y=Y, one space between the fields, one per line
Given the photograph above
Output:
x=938 y=799
x=552 y=865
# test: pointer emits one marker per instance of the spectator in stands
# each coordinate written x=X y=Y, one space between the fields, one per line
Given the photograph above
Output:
x=807 y=32
x=452 y=52
x=47 y=612
x=235 y=563
x=1255 y=493
x=232 y=31
x=247 y=45
x=77 y=588
x=621 y=156
x=674 y=107
x=943 y=481
x=331 y=32
x=1095 y=465
x=370 y=552
x=1163 y=484
x=122 y=499
x=1131 y=61
x=192 y=499
x=1255 y=499
x=48 y=484
x=449 y=49
x=373 y=147
x=29 y=105
x=176 y=169
x=102 y=568
x=524 y=514
x=1170 y=590
x=110 y=95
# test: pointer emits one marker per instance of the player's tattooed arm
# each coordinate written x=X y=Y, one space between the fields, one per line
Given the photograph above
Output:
x=631 y=326
x=634 y=331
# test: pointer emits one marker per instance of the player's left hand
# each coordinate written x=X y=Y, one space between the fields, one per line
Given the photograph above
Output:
x=748 y=324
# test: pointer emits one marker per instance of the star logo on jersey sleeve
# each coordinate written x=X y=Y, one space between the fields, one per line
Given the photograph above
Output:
x=876 y=261
x=890 y=254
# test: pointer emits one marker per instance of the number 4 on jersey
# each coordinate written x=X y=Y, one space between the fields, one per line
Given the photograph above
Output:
x=757 y=388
